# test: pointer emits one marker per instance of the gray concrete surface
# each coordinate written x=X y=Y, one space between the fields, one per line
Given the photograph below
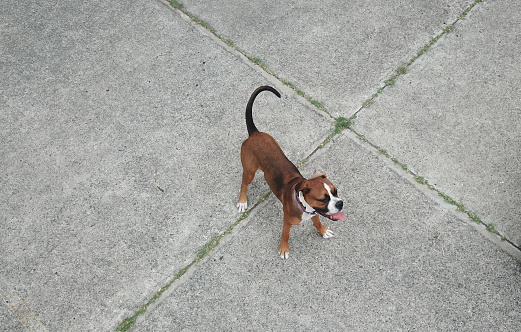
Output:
x=401 y=261
x=121 y=129
x=455 y=118
x=121 y=125
x=339 y=52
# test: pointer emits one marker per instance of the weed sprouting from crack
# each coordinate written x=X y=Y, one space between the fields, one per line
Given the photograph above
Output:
x=469 y=8
x=179 y=6
x=340 y=125
x=362 y=138
x=474 y=217
x=293 y=87
x=302 y=162
x=491 y=229
x=402 y=165
x=449 y=200
x=391 y=81
x=264 y=197
x=421 y=179
x=384 y=152
x=175 y=4
x=255 y=60
x=261 y=64
x=129 y=322
x=317 y=104
x=228 y=42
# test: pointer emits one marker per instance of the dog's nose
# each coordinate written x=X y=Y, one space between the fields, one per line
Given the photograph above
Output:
x=339 y=205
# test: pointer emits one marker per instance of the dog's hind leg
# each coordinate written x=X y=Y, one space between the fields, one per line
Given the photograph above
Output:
x=247 y=177
x=249 y=167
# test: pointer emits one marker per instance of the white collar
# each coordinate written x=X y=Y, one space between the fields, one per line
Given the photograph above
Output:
x=309 y=212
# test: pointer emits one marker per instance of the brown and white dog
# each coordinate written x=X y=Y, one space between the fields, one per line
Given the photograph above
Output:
x=301 y=199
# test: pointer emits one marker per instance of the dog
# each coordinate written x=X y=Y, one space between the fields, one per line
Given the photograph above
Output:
x=302 y=199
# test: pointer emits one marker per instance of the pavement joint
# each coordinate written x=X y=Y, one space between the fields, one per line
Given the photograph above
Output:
x=253 y=59
x=389 y=83
x=404 y=69
x=425 y=182
x=214 y=242
x=344 y=123
x=161 y=287
x=340 y=125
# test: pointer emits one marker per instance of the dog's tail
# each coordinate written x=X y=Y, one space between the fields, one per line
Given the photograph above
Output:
x=249 y=119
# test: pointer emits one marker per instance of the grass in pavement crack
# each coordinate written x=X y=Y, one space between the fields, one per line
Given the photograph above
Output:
x=179 y=6
x=423 y=181
x=292 y=86
x=340 y=125
x=129 y=322
x=389 y=83
x=404 y=69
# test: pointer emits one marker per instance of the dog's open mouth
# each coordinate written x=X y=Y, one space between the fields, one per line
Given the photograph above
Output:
x=339 y=216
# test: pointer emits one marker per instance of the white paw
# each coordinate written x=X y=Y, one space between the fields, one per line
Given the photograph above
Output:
x=284 y=255
x=329 y=234
x=242 y=207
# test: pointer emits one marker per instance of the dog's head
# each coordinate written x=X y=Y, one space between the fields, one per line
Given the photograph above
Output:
x=321 y=195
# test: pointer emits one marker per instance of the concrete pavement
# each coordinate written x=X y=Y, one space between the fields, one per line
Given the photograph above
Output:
x=121 y=128
x=455 y=117
x=402 y=261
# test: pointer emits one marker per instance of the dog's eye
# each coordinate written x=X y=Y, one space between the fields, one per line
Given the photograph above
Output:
x=335 y=192
x=324 y=200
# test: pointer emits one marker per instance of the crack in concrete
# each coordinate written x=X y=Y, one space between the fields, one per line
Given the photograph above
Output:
x=341 y=124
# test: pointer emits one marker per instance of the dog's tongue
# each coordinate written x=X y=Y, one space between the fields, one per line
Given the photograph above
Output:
x=339 y=216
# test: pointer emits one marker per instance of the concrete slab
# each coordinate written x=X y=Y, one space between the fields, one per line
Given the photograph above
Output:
x=455 y=118
x=401 y=261
x=338 y=52
x=121 y=127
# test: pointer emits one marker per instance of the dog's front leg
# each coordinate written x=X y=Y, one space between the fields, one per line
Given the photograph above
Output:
x=323 y=230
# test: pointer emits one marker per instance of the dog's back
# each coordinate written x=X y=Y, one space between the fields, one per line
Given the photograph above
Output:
x=261 y=151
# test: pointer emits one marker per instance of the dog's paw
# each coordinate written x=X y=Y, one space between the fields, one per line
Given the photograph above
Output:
x=284 y=255
x=242 y=207
x=328 y=234
x=284 y=250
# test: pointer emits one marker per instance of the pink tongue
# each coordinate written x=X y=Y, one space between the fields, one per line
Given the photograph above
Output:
x=337 y=216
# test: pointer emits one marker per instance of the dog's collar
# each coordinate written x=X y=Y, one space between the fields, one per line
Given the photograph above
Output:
x=305 y=204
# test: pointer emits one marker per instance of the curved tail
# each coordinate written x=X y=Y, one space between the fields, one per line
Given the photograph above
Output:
x=249 y=120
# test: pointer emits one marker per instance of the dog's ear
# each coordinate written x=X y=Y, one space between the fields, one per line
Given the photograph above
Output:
x=305 y=187
x=317 y=174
